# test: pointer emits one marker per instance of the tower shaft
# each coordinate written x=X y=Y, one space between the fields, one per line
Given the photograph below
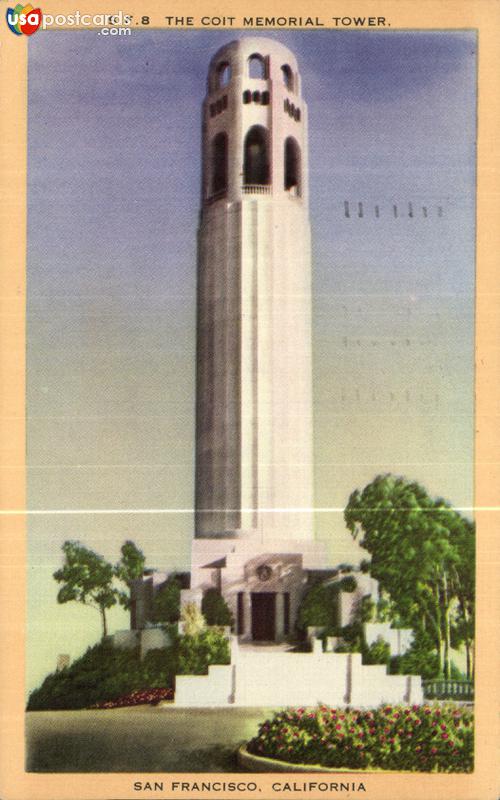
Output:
x=254 y=396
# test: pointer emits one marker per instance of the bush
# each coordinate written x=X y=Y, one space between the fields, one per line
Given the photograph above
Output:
x=319 y=608
x=353 y=639
x=367 y=609
x=348 y=584
x=420 y=659
x=417 y=738
x=192 y=619
x=104 y=673
x=215 y=609
x=379 y=652
x=196 y=653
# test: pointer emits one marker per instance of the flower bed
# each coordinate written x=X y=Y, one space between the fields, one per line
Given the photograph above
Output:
x=150 y=696
x=417 y=738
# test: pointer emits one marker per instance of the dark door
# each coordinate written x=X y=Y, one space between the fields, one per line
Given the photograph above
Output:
x=263 y=616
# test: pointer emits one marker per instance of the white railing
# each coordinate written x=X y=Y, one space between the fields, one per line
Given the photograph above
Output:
x=256 y=188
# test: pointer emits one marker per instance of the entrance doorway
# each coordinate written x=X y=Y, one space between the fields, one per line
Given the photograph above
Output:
x=263 y=616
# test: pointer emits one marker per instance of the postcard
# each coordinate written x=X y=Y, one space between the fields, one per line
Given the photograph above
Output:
x=249 y=411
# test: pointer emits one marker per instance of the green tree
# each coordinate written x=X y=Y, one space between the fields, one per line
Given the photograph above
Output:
x=417 y=546
x=167 y=601
x=465 y=578
x=129 y=568
x=86 y=578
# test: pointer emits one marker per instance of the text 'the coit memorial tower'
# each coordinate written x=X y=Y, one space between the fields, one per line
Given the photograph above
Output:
x=254 y=471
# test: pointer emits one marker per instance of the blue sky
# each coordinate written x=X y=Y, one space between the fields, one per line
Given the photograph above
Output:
x=114 y=172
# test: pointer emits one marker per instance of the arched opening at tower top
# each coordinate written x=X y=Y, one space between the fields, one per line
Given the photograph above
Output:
x=293 y=178
x=256 y=157
x=223 y=75
x=219 y=163
x=256 y=66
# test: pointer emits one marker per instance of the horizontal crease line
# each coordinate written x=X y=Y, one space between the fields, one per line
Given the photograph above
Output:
x=40 y=512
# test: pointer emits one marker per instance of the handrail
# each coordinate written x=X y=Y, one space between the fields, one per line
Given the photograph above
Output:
x=440 y=688
x=256 y=188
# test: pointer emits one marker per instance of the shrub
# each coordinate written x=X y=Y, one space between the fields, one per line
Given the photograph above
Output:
x=379 y=652
x=197 y=652
x=104 y=673
x=192 y=619
x=353 y=639
x=348 y=584
x=215 y=609
x=420 y=659
x=319 y=607
x=367 y=609
x=416 y=738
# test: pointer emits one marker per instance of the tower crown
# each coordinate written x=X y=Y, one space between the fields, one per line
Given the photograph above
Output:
x=254 y=124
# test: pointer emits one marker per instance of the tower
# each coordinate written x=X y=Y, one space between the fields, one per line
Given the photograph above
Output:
x=254 y=398
x=254 y=538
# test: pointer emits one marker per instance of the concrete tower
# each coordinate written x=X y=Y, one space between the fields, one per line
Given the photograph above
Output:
x=254 y=398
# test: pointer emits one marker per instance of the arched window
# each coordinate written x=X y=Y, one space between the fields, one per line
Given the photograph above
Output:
x=219 y=163
x=256 y=156
x=223 y=75
x=265 y=98
x=247 y=96
x=287 y=76
x=256 y=66
x=292 y=166
x=256 y=97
